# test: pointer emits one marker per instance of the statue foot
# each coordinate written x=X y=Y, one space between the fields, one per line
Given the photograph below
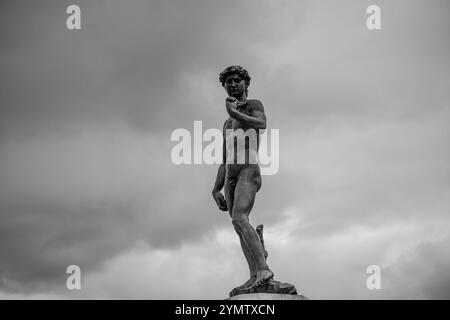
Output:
x=247 y=283
x=262 y=277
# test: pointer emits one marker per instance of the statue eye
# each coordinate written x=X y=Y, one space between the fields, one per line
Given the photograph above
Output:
x=234 y=80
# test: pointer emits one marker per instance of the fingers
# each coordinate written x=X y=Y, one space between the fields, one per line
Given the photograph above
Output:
x=221 y=202
x=231 y=99
x=223 y=207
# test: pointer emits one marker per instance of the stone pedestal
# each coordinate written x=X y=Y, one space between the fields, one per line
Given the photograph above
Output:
x=270 y=286
x=268 y=296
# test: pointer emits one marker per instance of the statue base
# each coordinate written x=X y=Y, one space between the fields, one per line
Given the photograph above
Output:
x=271 y=287
x=267 y=296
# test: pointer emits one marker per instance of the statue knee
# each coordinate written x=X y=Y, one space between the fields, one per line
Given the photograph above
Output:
x=239 y=223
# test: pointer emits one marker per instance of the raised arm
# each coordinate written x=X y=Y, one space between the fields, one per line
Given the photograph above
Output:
x=257 y=118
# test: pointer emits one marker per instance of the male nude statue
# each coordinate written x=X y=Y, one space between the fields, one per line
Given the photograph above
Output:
x=241 y=181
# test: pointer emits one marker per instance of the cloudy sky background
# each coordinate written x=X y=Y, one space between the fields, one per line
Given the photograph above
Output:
x=86 y=176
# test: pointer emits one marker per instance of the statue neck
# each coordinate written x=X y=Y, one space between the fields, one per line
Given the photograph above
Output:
x=242 y=98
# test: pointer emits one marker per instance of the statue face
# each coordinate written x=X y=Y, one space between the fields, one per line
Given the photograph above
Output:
x=234 y=85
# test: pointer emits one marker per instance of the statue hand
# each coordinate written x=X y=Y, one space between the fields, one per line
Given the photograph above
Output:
x=220 y=200
x=231 y=104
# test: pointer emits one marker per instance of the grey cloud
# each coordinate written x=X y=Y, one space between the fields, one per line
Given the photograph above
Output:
x=422 y=274
x=86 y=118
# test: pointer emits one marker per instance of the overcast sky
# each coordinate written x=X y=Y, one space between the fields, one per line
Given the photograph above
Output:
x=86 y=176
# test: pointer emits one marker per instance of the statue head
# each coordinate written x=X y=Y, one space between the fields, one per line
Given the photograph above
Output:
x=235 y=80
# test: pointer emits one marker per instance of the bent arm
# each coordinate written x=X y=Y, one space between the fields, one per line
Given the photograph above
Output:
x=257 y=120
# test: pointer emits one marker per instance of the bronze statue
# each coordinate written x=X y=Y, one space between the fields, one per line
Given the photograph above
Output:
x=241 y=181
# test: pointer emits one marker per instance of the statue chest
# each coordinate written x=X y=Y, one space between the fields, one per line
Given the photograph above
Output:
x=236 y=124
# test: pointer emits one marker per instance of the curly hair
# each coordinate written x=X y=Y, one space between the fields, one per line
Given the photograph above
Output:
x=235 y=70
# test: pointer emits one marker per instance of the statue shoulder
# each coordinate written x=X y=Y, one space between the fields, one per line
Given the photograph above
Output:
x=255 y=104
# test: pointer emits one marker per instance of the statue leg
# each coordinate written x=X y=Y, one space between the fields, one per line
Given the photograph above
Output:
x=250 y=261
x=244 y=198
x=229 y=189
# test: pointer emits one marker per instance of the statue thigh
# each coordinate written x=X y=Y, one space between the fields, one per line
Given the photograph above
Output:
x=244 y=193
